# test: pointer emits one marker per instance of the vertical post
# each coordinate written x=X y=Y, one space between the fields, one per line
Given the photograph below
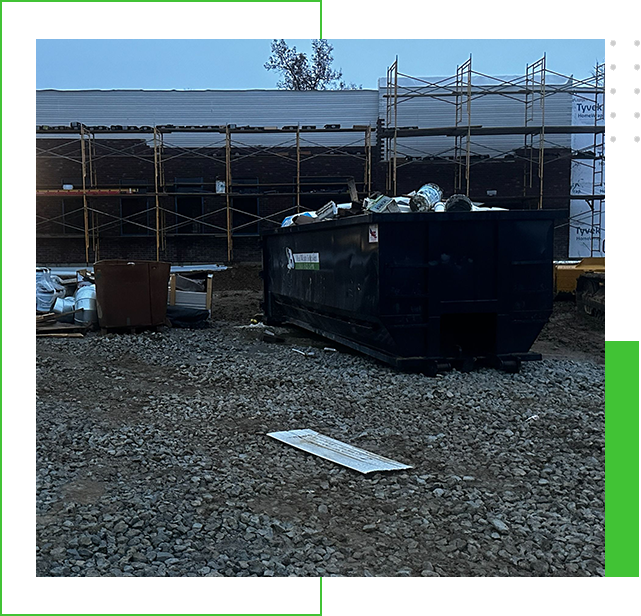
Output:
x=95 y=238
x=92 y=183
x=395 y=122
x=469 y=125
x=172 y=289
x=542 y=135
x=156 y=182
x=597 y=165
x=230 y=251
x=298 y=169
x=388 y=122
x=368 y=160
x=527 y=177
x=84 y=190
x=161 y=185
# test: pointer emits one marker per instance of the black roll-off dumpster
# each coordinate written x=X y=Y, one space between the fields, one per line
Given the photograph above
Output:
x=421 y=291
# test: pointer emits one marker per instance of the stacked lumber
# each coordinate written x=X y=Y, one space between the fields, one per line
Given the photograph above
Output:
x=47 y=326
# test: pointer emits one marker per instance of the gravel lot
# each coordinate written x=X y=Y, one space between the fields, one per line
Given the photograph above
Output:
x=153 y=458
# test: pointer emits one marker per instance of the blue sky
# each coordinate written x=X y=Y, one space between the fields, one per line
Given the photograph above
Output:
x=238 y=64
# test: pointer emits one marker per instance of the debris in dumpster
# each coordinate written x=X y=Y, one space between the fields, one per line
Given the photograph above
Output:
x=458 y=203
x=329 y=210
x=351 y=187
x=380 y=204
x=337 y=451
x=428 y=198
x=425 y=198
x=297 y=219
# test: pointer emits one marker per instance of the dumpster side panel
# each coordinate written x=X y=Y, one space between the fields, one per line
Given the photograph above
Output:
x=528 y=290
x=424 y=287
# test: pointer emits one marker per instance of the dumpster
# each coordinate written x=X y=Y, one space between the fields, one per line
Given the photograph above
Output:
x=424 y=292
x=131 y=294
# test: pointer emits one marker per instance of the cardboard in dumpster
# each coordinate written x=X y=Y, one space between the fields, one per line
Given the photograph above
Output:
x=337 y=451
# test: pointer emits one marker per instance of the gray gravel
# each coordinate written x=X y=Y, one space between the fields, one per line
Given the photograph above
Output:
x=153 y=461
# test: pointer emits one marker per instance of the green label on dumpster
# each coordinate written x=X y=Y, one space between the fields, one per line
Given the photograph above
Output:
x=306 y=261
x=302 y=260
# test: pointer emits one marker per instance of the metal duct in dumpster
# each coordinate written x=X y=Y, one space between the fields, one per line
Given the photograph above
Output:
x=426 y=291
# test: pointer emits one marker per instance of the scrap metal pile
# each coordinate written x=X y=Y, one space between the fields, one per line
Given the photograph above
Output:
x=428 y=198
x=65 y=307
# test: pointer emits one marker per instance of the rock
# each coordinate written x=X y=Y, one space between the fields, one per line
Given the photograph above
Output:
x=499 y=525
x=115 y=462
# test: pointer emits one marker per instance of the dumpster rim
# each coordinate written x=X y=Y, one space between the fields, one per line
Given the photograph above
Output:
x=377 y=218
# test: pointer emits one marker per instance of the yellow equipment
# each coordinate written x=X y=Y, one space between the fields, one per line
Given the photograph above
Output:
x=565 y=276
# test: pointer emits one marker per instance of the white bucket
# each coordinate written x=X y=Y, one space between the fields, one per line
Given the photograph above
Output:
x=86 y=303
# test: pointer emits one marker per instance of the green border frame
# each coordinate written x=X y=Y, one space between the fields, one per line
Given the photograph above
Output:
x=548 y=19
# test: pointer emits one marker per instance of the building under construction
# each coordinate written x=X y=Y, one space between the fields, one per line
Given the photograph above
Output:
x=195 y=176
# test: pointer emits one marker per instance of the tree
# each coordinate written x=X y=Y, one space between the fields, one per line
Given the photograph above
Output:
x=299 y=73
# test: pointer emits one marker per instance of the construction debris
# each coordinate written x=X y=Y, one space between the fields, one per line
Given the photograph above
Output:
x=48 y=326
x=336 y=451
x=48 y=289
x=304 y=353
x=188 y=318
x=428 y=198
x=270 y=336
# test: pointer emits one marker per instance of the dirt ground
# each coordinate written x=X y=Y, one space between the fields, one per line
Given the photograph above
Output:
x=572 y=335
x=568 y=335
x=155 y=463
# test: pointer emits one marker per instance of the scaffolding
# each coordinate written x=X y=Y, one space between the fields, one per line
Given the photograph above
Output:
x=460 y=91
x=226 y=149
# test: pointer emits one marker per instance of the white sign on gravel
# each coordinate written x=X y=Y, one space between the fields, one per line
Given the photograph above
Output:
x=336 y=451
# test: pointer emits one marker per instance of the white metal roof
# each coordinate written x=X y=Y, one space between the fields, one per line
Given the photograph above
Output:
x=213 y=107
x=280 y=108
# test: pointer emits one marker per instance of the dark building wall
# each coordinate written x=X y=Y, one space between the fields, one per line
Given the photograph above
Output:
x=129 y=163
